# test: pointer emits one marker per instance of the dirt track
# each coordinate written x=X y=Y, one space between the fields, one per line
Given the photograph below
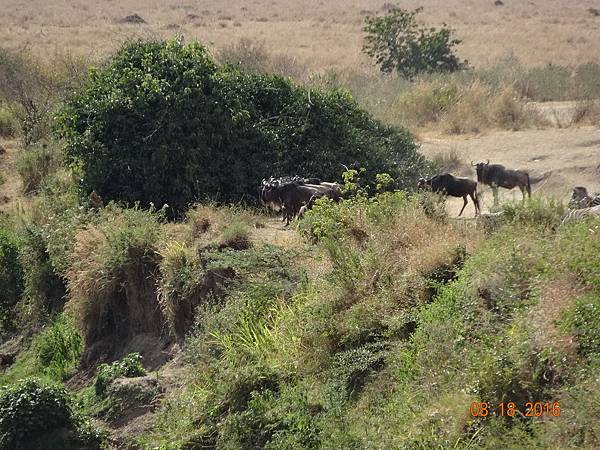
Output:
x=566 y=157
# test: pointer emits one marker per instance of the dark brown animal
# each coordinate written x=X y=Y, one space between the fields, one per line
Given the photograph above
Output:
x=290 y=196
x=496 y=175
x=448 y=184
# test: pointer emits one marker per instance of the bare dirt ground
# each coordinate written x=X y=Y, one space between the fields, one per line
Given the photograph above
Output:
x=566 y=157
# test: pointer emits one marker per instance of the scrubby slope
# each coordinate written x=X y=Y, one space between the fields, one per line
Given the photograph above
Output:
x=377 y=323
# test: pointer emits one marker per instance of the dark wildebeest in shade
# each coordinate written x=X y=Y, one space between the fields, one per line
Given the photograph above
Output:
x=496 y=175
x=448 y=184
x=290 y=196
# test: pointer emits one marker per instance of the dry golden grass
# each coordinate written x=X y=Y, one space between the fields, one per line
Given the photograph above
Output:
x=320 y=34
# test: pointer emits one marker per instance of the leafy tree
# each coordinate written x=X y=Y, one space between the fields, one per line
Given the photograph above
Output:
x=160 y=123
x=397 y=42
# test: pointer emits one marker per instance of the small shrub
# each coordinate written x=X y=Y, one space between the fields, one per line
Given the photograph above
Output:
x=398 y=43
x=31 y=411
x=508 y=112
x=183 y=285
x=130 y=366
x=28 y=88
x=587 y=112
x=11 y=277
x=351 y=368
x=583 y=322
x=58 y=348
x=469 y=114
x=434 y=206
x=450 y=161
x=35 y=164
x=426 y=103
x=236 y=236
x=247 y=54
x=535 y=211
x=44 y=287
x=8 y=123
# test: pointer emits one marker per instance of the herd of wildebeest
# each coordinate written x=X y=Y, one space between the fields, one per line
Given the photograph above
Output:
x=295 y=195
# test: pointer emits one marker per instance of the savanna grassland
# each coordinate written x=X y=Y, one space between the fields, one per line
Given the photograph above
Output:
x=321 y=35
x=148 y=301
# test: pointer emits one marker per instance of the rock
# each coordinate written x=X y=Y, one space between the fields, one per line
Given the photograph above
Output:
x=133 y=18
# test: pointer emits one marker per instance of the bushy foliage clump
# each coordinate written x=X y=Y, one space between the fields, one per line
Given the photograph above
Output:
x=129 y=366
x=8 y=122
x=36 y=163
x=30 y=412
x=11 y=276
x=398 y=43
x=58 y=348
x=162 y=123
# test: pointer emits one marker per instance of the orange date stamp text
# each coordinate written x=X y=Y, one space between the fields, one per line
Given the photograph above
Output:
x=511 y=409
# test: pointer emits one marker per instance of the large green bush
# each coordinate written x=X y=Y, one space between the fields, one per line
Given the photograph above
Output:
x=161 y=123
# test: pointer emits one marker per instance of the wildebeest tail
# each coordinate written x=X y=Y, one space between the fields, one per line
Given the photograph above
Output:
x=528 y=185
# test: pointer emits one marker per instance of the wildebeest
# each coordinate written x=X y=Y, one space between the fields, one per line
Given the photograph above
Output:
x=290 y=194
x=582 y=199
x=454 y=186
x=311 y=202
x=496 y=175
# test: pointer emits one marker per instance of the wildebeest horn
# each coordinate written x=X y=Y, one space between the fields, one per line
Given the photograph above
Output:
x=473 y=164
x=488 y=161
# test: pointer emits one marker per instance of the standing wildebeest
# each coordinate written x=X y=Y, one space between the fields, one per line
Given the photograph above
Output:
x=290 y=195
x=496 y=175
x=454 y=186
x=582 y=199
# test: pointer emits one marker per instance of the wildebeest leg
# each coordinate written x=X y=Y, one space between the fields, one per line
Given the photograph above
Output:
x=464 y=205
x=495 y=191
x=290 y=216
x=473 y=196
x=523 y=190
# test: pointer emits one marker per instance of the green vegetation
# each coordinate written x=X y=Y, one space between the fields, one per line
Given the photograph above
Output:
x=8 y=122
x=35 y=416
x=375 y=324
x=206 y=125
x=53 y=354
x=36 y=164
x=416 y=320
x=129 y=366
x=11 y=277
x=398 y=44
